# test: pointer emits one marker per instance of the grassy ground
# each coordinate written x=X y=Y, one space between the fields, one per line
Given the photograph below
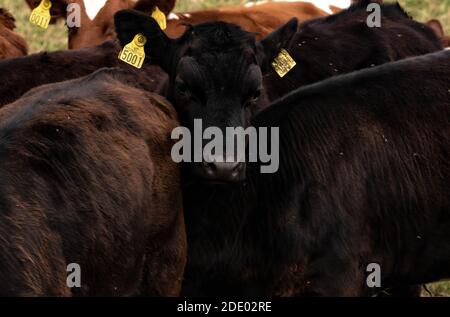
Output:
x=56 y=38
x=438 y=289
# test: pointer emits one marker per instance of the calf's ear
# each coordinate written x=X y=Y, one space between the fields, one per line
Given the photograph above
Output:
x=166 y=6
x=270 y=46
x=57 y=11
x=159 y=48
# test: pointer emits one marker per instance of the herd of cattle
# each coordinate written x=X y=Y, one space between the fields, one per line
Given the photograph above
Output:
x=364 y=175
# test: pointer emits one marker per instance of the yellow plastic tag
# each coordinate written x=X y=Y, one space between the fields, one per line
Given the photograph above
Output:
x=40 y=16
x=159 y=17
x=133 y=53
x=283 y=63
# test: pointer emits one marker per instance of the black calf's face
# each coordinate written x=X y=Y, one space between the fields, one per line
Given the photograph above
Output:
x=217 y=87
x=215 y=72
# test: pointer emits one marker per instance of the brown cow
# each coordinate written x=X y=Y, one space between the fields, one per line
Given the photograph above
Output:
x=97 y=17
x=11 y=44
x=87 y=178
x=19 y=75
x=261 y=18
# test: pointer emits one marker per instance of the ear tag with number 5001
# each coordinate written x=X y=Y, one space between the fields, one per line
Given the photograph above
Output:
x=40 y=16
x=283 y=63
x=133 y=53
x=159 y=17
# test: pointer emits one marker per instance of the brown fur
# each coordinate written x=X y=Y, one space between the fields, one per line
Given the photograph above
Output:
x=21 y=74
x=11 y=44
x=260 y=19
x=87 y=178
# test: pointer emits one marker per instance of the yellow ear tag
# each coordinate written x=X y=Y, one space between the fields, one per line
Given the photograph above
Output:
x=283 y=63
x=133 y=53
x=40 y=16
x=159 y=17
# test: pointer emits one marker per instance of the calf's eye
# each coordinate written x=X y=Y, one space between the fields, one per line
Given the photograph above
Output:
x=181 y=87
x=186 y=93
x=256 y=95
x=253 y=98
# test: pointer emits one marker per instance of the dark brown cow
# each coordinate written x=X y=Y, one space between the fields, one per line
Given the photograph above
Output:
x=11 y=44
x=21 y=74
x=343 y=42
x=87 y=178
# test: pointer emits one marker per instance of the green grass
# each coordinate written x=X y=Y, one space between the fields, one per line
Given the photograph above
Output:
x=438 y=289
x=55 y=37
x=424 y=10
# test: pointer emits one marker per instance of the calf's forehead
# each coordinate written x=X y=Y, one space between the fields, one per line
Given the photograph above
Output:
x=224 y=68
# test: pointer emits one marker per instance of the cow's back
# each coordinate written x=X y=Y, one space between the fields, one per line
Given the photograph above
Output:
x=261 y=19
x=344 y=42
x=87 y=178
x=371 y=165
x=19 y=75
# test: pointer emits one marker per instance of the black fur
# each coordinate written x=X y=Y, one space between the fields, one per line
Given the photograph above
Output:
x=343 y=42
x=249 y=239
x=364 y=177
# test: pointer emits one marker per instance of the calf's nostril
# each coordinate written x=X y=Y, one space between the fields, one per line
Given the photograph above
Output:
x=210 y=167
x=228 y=171
x=238 y=167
